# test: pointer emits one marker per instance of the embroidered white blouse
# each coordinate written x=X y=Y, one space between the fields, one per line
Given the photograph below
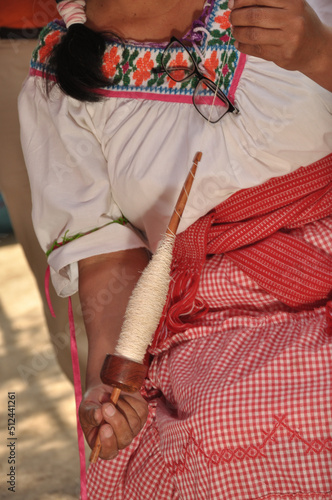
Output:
x=129 y=154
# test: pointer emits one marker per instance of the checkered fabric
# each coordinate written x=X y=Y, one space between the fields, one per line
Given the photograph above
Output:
x=240 y=402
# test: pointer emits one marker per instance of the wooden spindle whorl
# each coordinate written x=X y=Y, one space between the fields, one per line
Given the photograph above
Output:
x=123 y=373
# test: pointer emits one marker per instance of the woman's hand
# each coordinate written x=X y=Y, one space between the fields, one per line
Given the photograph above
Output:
x=118 y=425
x=106 y=282
x=287 y=32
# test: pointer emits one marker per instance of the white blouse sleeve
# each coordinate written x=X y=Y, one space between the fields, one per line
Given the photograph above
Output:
x=70 y=183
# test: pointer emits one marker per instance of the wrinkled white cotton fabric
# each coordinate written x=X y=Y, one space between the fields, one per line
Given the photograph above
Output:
x=90 y=163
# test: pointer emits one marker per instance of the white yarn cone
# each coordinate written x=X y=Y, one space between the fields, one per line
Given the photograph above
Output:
x=146 y=304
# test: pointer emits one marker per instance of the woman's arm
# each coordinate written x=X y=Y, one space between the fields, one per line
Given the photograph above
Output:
x=105 y=285
x=289 y=33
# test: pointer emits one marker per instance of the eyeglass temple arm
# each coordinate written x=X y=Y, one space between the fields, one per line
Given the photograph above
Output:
x=213 y=87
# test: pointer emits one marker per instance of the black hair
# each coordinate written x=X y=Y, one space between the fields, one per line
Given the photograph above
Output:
x=77 y=63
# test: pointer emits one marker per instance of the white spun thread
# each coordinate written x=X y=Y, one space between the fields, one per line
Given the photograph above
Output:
x=146 y=304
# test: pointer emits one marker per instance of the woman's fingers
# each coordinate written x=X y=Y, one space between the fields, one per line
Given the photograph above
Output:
x=257 y=36
x=289 y=33
x=260 y=17
x=108 y=441
x=122 y=433
x=259 y=28
x=126 y=419
x=257 y=31
x=116 y=425
x=91 y=417
x=240 y=4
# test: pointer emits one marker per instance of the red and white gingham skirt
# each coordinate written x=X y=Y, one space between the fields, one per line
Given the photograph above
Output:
x=245 y=411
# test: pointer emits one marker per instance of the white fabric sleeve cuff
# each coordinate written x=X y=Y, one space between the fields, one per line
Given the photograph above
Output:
x=63 y=261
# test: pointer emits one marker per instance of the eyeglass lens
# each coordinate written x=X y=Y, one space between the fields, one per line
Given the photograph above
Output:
x=178 y=63
x=212 y=106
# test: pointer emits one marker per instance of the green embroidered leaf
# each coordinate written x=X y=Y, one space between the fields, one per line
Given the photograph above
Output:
x=167 y=58
x=133 y=56
x=34 y=56
x=216 y=34
x=227 y=81
x=117 y=79
x=44 y=32
x=233 y=57
x=185 y=84
x=126 y=80
x=125 y=55
x=161 y=79
x=152 y=81
x=159 y=58
x=223 y=5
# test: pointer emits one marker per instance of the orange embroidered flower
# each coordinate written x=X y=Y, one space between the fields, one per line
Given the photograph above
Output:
x=110 y=61
x=50 y=40
x=224 y=20
x=144 y=66
x=211 y=65
x=178 y=62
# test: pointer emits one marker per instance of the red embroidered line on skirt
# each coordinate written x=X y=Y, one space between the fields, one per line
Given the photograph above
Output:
x=251 y=451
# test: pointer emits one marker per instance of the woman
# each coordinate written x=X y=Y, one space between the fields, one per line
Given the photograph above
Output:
x=238 y=386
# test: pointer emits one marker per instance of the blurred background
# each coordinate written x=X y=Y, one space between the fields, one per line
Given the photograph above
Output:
x=47 y=466
x=35 y=360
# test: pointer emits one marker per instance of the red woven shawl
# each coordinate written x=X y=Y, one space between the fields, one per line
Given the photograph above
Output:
x=252 y=228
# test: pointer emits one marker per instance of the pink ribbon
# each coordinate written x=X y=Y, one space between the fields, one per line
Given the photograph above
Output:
x=77 y=381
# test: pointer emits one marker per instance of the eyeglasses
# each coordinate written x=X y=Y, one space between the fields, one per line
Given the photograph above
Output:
x=208 y=99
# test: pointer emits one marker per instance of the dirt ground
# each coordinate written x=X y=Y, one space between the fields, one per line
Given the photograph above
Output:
x=45 y=448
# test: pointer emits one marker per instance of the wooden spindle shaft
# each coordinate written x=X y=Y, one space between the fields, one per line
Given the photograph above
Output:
x=124 y=374
x=183 y=197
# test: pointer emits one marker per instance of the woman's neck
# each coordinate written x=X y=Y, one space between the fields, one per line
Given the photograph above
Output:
x=143 y=20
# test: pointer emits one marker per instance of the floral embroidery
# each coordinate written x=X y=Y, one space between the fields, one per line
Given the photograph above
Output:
x=144 y=67
x=136 y=68
x=224 y=20
x=110 y=61
x=179 y=62
x=212 y=64
x=48 y=43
